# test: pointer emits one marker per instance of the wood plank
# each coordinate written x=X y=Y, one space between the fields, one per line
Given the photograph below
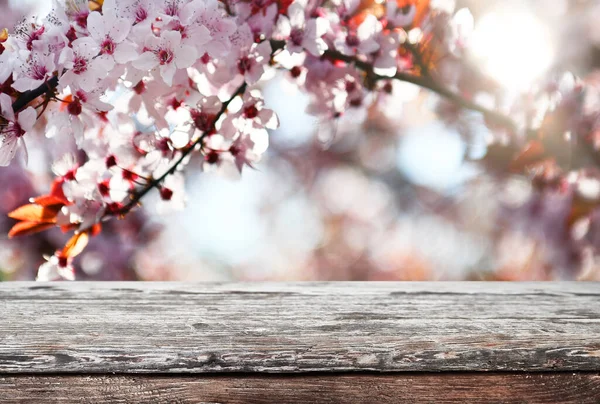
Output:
x=579 y=388
x=311 y=327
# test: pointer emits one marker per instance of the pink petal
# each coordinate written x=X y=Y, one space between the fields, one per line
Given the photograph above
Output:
x=368 y=46
x=269 y=119
x=6 y=107
x=25 y=152
x=125 y=52
x=315 y=47
x=8 y=149
x=86 y=47
x=117 y=28
x=5 y=67
x=167 y=72
x=146 y=61
x=95 y=25
x=368 y=28
x=27 y=119
x=254 y=74
x=172 y=39
x=185 y=56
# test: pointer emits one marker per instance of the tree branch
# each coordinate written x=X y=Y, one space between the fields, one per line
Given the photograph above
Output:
x=430 y=84
x=422 y=81
x=28 y=96
x=135 y=199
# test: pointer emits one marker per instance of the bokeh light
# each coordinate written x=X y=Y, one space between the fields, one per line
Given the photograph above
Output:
x=513 y=46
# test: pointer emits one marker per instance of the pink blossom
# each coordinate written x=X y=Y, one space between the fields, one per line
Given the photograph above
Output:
x=84 y=70
x=243 y=152
x=77 y=11
x=250 y=58
x=400 y=16
x=361 y=42
x=302 y=34
x=56 y=268
x=12 y=132
x=110 y=33
x=262 y=24
x=251 y=117
x=220 y=29
x=78 y=111
x=7 y=60
x=34 y=71
x=146 y=94
x=138 y=13
x=168 y=54
x=204 y=117
x=29 y=35
x=385 y=59
x=253 y=111
x=172 y=194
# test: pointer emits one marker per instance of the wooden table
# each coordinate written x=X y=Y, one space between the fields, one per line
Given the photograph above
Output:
x=299 y=343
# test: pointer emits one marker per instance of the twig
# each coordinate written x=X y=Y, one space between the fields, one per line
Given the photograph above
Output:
x=28 y=96
x=421 y=81
x=157 y=181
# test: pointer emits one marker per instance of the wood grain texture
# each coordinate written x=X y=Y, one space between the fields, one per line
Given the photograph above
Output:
x=301 y=389
x=297 y=328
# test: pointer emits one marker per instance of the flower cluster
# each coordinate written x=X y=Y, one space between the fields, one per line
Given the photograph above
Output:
x=143 y=88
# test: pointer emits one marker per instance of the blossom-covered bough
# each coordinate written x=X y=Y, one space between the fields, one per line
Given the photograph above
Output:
x=142 y=86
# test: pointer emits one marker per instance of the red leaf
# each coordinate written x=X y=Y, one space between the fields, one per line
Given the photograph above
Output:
x=96 y=229
x=35 y=213
x=75 y=245
x=27 y=228
x=49 y=200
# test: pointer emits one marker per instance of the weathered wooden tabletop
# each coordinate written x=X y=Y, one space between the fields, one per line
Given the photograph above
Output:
x=300 y=343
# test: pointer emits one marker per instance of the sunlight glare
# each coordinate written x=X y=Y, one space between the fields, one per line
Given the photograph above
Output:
x=515 y=48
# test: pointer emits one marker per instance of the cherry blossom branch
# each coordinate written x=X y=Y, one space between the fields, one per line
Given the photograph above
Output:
x=422 y=81
x=418 y=58
x=28 y=96
x=135 y=198
x=428 y=83
x=425 y=81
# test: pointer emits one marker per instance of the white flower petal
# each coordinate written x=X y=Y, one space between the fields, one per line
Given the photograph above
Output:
x=254 y=74
x=283 y=28
x=25 y=84
x=95 y=25
x=146 y=61
x=315 y=47
x=25 y=152
x=172 y=39
x=269 y=119
x=125 y=52
x=297 y=14
x=86 y=47
x=167 y=72
x=368 y=46
x=27 y=118
x=185 y=56
x=368 y=28
x=6 y=110
x=117 y=28
x=8 y=149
